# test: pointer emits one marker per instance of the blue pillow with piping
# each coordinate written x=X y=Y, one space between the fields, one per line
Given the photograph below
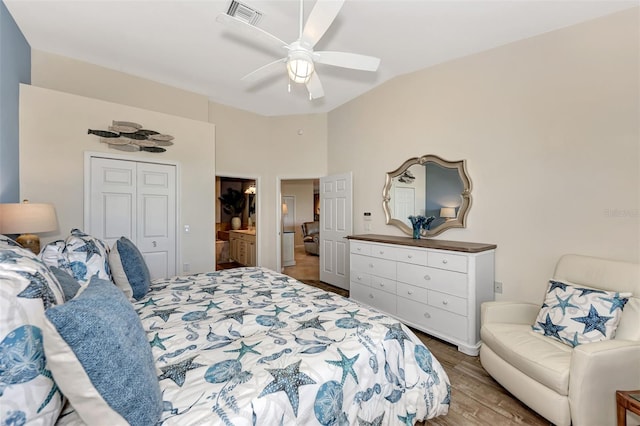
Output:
x=128 y=269
x=69 y=284
x=100 y=358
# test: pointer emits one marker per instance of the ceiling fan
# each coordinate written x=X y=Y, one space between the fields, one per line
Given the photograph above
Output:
x=301 y=58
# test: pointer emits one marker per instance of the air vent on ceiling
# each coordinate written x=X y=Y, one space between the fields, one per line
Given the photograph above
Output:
x=244 y=12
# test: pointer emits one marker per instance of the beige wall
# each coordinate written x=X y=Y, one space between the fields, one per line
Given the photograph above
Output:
x=53 y=142
x=549 y=129
x=268 y=149
x=302 y=189
x=85 y=79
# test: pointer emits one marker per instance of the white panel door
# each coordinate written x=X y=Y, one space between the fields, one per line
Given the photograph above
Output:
x=138 y=201
x=112 y=200
x=336 y=223
x=156 y=236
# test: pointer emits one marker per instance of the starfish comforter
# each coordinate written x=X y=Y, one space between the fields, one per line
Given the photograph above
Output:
x=249 y=346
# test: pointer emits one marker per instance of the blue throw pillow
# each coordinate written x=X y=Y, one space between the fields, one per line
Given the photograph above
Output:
x=100 y=357
x=128 y=269
x=69 y=284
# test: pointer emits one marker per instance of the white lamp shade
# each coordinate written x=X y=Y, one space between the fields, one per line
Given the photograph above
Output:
x=300 y=68
x=27 y=218
x=448 y=212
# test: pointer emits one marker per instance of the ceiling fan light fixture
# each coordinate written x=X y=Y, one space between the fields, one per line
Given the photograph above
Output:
x=300 y=67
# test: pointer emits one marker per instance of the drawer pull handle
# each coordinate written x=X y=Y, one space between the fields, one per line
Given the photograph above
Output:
x=427 y=277
x=371 y=265
x=427 y=315
x=381 y=284
x=359 y=278
x=370 y=296
x=381 y=251
x=444 y=302
x=409 y=292
x=359 y=249
x=444 y=261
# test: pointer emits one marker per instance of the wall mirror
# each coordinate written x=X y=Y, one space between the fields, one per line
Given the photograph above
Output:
x=428 y=186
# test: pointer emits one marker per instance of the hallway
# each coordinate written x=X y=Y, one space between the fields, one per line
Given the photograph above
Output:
x=307 y=267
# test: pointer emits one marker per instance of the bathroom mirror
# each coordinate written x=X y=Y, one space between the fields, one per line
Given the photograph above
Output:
x=428 y=186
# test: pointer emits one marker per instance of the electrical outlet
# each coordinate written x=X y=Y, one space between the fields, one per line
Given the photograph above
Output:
x=497 y=287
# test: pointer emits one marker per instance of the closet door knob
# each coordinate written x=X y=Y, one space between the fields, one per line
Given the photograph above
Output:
x=154 y=244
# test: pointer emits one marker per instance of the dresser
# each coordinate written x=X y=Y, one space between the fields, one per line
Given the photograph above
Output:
x=242 y=247
x=435 y=286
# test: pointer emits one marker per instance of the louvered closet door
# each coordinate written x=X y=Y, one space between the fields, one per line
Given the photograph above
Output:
x=136 y=200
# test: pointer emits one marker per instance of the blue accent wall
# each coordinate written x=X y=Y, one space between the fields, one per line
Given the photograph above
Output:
x=15 y=68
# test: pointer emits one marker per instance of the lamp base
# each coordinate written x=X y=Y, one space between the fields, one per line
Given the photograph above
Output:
x=29 y=241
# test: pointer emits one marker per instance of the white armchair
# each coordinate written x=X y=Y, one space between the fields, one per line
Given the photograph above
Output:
x=563 y=384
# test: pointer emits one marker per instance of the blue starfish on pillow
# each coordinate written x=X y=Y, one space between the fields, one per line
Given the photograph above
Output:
x=564 y=304
x=556 y=284
x=90 y=248
x=593 y=321
x=551 y=329
x=617 y=302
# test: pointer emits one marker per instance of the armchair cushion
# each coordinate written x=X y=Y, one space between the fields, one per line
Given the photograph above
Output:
x=576 y=315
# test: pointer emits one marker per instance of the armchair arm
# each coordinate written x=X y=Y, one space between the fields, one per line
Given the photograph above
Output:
x=508 y=312
x=597 y=371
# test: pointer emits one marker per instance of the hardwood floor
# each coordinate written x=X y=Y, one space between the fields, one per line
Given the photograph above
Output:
x=476 y=399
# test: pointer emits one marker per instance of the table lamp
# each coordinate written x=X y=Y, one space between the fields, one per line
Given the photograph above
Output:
x=449 y=213
x=27 y=219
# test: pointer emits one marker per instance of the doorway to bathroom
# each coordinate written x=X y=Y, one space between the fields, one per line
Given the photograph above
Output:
x=236 y=220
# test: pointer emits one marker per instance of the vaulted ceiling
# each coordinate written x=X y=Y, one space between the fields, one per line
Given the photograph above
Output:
x=180 y=43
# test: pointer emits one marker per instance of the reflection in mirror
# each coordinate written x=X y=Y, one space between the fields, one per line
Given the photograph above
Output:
x=428 y=186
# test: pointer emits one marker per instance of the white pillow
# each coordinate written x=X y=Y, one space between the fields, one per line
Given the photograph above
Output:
x=27 y=391
x=575 y=315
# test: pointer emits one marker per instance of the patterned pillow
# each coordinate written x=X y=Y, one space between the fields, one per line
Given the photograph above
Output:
x=577 y=315
x=6 y=242
x=100 y=357
x=53 y=255
x=27 y=391
x=129 y=270
x=86 y=256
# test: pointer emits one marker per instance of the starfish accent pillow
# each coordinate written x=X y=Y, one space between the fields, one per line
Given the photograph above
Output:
x=575 y=315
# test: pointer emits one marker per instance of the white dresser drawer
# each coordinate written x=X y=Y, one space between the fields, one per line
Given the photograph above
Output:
x=416 y=256
x=384 y=284
x=384 y=251
x=374 y=266
x=457 y=305
x=448 y=261
x=373 y=297
x=360 y=277
x=449 y=282
x=419 y=294
x=432 y=318
x=359 y=248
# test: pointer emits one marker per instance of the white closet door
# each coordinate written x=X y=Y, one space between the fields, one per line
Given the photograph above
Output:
x=112 y=200
x=156 y=237
x=138 y=201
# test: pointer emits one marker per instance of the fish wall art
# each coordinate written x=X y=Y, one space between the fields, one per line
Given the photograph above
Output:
x=129 y=136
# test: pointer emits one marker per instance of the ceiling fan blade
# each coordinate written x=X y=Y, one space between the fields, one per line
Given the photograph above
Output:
x=260 y=72
x=347 y=60
x=314 y=87
x=320 y=19
x=249 y=29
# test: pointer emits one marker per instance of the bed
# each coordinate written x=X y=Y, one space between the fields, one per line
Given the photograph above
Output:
x=245 y=346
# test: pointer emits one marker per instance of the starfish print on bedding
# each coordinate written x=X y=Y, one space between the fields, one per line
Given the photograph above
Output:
x=315 y=322
x=288 y=380
x=244 y=349
x=38 y=288
x=347 y=366
x=178 y=372
x=163 y=313
x=157 y=341
x=396 y=333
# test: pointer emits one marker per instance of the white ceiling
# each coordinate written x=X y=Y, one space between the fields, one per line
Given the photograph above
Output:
x=180 y=43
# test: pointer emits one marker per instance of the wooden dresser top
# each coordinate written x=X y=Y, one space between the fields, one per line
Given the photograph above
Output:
x=425 y=243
